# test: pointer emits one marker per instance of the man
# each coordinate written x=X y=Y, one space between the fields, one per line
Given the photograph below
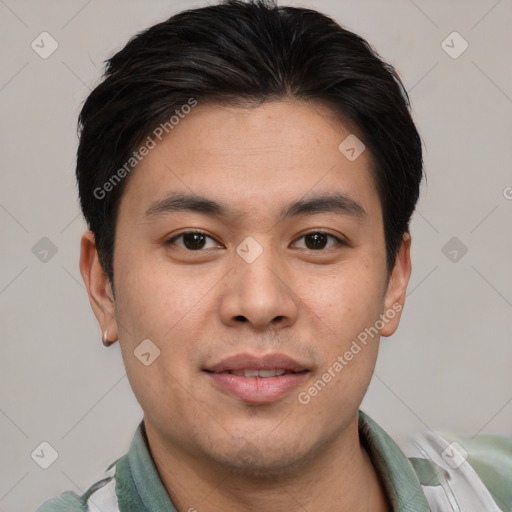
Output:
x=248 y=174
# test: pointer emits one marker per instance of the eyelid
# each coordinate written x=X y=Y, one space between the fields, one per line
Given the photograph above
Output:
x=171 y=240
x=339 y=241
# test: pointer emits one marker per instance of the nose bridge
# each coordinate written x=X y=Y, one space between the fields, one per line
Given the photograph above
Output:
x=258 y=290
x=260 y=276
x=257 y=268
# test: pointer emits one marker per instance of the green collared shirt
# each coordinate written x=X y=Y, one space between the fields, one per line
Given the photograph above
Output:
x=429 y=473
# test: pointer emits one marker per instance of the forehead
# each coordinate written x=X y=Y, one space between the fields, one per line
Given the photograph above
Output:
x=263 y=156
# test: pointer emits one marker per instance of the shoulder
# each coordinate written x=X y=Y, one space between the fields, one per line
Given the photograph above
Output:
x=491 y=458
x=485 y=450
x=99 y=497
x=473 y=470
x=67 y=502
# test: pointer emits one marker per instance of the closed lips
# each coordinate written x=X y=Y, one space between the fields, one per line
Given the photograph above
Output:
x=247 y=365
x=260 y=373
x=257 y=379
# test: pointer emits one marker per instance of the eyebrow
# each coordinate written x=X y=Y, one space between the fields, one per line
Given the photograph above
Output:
x=330 y=203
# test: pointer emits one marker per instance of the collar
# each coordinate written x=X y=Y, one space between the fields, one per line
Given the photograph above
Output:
x=138 y=485
x=394 y=469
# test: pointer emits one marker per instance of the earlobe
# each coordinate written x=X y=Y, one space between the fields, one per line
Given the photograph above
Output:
x=98 y=285
x=397 y=287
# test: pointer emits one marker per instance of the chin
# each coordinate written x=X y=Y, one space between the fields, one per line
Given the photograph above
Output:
x=265 y=461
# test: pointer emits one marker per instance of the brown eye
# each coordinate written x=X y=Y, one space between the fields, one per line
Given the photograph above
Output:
x=318 y=240
x=193 y=241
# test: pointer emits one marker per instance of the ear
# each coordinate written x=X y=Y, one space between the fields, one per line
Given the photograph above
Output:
x=98 y=286
x=397 y=287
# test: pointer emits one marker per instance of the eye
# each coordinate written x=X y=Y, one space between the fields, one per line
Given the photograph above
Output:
x=193 y=241
x=319 y=240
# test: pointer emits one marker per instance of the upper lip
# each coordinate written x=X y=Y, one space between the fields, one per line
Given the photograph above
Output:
x=251 y=362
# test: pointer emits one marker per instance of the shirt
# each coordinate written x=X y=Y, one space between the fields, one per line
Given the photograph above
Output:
x=426 y=473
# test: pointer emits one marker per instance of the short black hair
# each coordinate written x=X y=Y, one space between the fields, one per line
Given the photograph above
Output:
x=244 y=52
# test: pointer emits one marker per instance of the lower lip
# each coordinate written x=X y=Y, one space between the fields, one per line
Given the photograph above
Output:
x=258 y=390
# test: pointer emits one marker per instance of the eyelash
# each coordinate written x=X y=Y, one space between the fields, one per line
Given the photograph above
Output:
x=338 y=241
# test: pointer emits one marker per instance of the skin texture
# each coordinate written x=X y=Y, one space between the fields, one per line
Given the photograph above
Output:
x=213 y=450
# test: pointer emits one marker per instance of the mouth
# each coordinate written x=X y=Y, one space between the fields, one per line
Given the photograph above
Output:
x=257 y=380
x=264 y=374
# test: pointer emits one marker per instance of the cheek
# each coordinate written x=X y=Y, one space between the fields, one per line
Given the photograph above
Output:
x=154 y=299
x=349 y=347
x=345 y=308
x=159 y=309
x=158 y=388
x=345 y=302
x=167 y=323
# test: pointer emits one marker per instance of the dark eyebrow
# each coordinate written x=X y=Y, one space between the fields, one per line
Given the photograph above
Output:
x=181 y=202
x=332 y=203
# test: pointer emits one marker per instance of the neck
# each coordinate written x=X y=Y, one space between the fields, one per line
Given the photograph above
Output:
x=339 y=477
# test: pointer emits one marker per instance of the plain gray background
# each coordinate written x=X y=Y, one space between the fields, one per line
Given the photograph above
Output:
x=449 y=365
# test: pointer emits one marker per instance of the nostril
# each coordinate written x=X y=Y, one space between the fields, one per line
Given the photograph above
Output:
x=241 y=318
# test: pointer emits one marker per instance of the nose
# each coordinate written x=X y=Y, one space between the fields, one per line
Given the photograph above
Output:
x=259 y=293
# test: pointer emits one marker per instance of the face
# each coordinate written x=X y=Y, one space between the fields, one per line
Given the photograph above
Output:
x=250 y=251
